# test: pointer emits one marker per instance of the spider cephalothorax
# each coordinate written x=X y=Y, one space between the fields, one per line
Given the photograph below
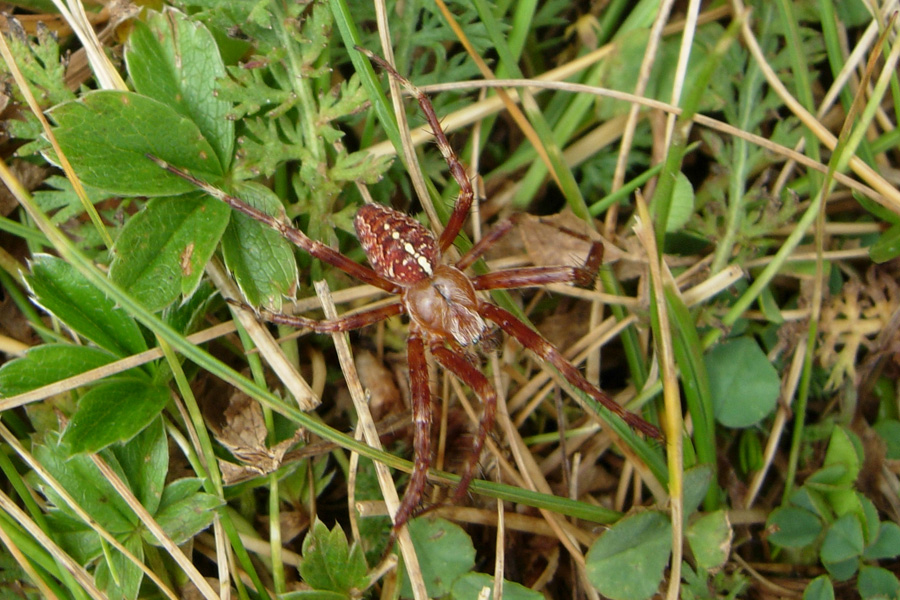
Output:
x=446 y=315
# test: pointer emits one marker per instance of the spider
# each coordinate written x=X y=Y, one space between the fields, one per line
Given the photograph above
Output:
x=446 y=315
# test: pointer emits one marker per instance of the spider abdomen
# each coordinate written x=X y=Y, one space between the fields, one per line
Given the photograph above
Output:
x=398 y=247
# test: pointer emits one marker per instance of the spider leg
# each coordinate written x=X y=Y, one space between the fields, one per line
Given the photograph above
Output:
x=343 y=323
x=582 y=276
x=471 y=376
x=534 y=342
x=484 y=244
x=466 y=191
x=422 y=418
x=533 y=277
x=315 y=248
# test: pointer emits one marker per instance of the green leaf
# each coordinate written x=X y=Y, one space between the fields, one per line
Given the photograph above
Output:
x=470 y=586
x=682 y=207
x=696 y=483
x=329 y=563
x=875 y=582
x=743 y=383
x=845 y=449
x=65 y=293
x=176 y=61
x=81 y=478
x=886 y=544
x=889 y=432
x=118 y=575
x=710 y=539
x=145 y=460
x=793 y=527
x=313 y=595
x=842 y=570
x=819 y=588
x=106 y=136
x=813 y=501
x=114 y=411
x=74 y=536
x=43 y=365
x=843 y=542
x=445 y=552
x=261 y=259
x=179 y=490
x=162 y=251
x=186 y=516
x=627 y=562
x=887 y=246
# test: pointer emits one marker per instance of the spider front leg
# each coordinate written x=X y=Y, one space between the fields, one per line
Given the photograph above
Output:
x=341 y=324
x=466 y=191
x=546 y=351
x=531 y=276
x=315 y=248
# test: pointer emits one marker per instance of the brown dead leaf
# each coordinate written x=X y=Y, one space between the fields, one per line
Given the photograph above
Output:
x=243 y=432
x=378 y=381
x=549 y=242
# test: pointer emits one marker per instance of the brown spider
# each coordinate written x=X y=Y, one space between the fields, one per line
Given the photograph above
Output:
x=441 y=301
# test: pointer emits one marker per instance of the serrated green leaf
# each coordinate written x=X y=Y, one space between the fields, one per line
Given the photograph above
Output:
x=329 y=563
x=471 y=585
x=845 y=449
x=886 y=544
x=43 y=365
x=793 y=527
x=682 y=207
x=178 y=490
x=145 y=460
x=627 y=562
x=186 y=517
x=445 y=553
x=743 y=383
x=74 y=536
x=112 y=412
x=82 y=479
x=118 y=576
x=162 y=251
x=262 y=261
x=176 y=61
x=106 y=136
x=710 y=539
x=65 y=293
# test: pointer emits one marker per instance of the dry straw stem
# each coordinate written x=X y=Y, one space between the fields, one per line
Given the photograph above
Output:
x=533 y=478
x=53 y=484
x=508 y=103
x=880 y=190
x=154 y=528
x=21 y=517
x=409 y=154
x=367 y=424
x=662 y=280
x=492 y=105
x=265 y=342
x=633 y=113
